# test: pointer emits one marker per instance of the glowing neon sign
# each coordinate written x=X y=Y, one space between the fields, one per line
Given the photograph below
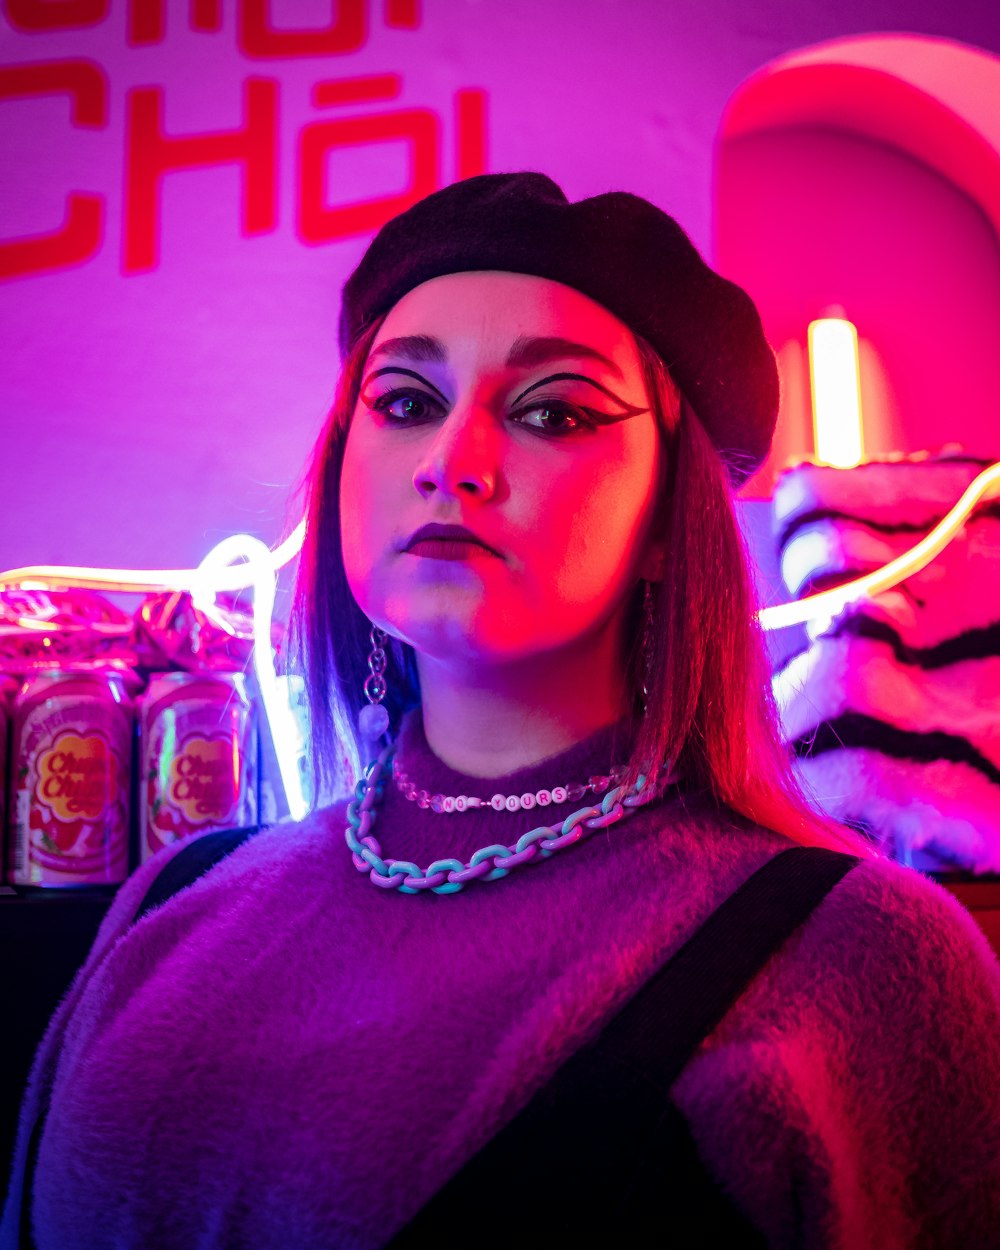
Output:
x=835 y=382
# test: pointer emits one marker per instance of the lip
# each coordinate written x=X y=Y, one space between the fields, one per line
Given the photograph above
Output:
x=447 y=542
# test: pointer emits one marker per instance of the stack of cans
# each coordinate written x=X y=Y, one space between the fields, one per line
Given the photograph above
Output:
x=102 y=773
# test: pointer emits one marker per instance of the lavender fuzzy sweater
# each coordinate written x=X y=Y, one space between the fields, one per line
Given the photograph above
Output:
x=285 y=1056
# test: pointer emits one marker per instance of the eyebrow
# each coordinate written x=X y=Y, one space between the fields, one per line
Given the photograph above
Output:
x=528 y=352
x=525 y=353
x=418 y=347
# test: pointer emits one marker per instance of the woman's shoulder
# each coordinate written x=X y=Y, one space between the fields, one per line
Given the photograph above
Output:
x=271 y=850
x=880 y=914
x=887 y=920
x=868 y=1054
x=888 y=965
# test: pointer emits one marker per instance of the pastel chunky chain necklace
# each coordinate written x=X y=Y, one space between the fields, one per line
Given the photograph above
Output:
x=490 y=863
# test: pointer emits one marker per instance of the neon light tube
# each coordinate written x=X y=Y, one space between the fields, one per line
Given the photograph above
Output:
x=261 y=570
x=829 y=602
x=835 y=382
x=66 y=576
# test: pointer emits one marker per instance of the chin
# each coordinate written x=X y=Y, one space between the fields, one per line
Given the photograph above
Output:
x=457 y=641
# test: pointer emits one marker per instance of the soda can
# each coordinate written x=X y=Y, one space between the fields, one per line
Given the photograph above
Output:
x=70 y=783
x=198 y=752
x=8 y=688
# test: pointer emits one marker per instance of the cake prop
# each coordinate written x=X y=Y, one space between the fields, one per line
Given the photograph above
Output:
x=893 y=707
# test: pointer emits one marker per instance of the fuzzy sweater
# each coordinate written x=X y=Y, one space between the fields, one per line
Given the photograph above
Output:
x=285 y=1056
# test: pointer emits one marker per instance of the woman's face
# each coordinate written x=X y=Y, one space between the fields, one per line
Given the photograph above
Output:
x=508 y=413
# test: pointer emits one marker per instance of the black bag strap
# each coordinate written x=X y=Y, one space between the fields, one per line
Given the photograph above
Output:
x=191 y=863
x=587 y=1155
x=187 y=866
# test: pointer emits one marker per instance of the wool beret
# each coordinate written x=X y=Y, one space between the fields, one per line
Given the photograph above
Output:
x=618 y=249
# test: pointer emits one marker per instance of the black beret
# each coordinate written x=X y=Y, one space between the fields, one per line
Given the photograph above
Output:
x=616 y=248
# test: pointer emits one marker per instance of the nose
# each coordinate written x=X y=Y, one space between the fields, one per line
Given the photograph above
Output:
x=462 y=460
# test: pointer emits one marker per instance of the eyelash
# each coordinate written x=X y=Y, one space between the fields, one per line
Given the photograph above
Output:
x=586 y=418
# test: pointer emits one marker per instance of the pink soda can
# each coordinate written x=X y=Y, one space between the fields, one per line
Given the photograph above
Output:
x=198 y=751
x=70 y=780
x=8 y=688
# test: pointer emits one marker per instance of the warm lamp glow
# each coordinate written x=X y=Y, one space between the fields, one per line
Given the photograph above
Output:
x=835 y=381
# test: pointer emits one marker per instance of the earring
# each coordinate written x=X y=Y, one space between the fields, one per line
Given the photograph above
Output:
x=373 y=719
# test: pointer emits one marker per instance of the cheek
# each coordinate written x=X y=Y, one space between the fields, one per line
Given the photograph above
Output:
x=361 y=512
x=597 y=537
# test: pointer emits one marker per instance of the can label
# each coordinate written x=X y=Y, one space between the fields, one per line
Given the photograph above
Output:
x=3 y=789
x=72 y=758
x=199 y=755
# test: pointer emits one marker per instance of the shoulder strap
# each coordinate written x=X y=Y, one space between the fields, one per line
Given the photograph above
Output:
x=191 y=863
x=585 y=1154
x=701 y=981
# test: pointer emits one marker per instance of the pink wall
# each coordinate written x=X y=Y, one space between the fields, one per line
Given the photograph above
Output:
x=815 y=218
x=149 y=412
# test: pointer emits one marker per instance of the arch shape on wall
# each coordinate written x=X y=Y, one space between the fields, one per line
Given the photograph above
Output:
x=930 y=102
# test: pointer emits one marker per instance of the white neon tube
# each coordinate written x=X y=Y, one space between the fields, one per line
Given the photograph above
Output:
x=835 y=382
x=261 y=571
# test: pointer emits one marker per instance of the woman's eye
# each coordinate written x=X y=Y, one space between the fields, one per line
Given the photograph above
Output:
x=554 y=418
x=405 y=407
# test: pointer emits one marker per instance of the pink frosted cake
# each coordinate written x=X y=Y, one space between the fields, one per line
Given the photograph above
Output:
x=893 y=707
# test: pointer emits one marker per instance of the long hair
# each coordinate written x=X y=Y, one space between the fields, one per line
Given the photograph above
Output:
x=697 y=670
x=329 y=634
x=709 y=710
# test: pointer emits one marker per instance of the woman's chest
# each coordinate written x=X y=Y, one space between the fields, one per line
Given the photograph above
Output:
x=330 y=1070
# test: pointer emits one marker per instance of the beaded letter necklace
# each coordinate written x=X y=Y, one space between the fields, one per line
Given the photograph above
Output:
x=572 y=792
x=490 y=863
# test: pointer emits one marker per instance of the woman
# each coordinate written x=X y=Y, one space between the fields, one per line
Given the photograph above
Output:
x=521 y=545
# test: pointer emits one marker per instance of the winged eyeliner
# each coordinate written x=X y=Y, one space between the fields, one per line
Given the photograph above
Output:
x=630 y=409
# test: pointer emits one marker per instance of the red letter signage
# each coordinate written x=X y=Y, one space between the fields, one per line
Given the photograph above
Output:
x=150 y=154
x=79 y=236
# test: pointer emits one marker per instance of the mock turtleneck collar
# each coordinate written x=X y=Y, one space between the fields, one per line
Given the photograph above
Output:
x=594 y=755
x=406 y=831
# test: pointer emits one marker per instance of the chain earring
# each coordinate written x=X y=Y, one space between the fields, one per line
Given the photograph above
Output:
x=373 y=719
x=647 y=643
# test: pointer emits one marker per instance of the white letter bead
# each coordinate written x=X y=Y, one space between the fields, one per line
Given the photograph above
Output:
x=558 y=794
x=497 y=802
x=449 y=803
x=460 y=803
x=513 y=803
x=527 y=801
x=544 y=798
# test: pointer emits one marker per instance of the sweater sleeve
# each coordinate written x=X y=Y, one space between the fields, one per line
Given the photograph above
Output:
x=43 y=1069
x=852 y=1097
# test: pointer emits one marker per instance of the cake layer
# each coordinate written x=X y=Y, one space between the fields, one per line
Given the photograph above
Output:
x=904 y=494
x=865 y=624
x=958 y=591
x=840 y=676
x=943 y=808
x=893 y=709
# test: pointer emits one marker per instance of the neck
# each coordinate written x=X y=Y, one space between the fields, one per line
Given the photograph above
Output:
x=490 y=721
